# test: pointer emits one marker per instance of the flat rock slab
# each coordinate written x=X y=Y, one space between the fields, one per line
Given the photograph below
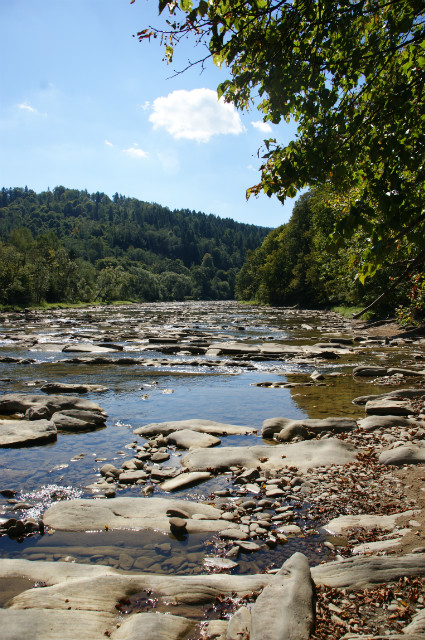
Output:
x=130 y=513
x=406 y=454
x=385 y=422
x=87 y=347
x=63 y=387
x=98 y=588
x=202 y=426
x=363 y=572
x=64 y=422
x=51 y=624
x=185 y=480
x=272 y=426
x=189 y=439
x=389 y=407
x=20 y=402
x=365 y=521
x=285 y=609
x=154 y=626
x=240 y=348
x=23 y=433
x=303 y=455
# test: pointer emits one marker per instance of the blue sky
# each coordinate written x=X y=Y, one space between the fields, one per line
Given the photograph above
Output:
x=85 y=105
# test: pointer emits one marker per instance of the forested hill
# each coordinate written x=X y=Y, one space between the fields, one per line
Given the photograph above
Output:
x=69 y=245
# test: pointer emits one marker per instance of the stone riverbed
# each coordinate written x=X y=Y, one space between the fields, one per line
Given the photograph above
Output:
x=210 y=470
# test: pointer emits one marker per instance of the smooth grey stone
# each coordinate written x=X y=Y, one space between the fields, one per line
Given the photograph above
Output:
x=131 y=477
x=63 y=387
x=129 y=513
x=23 y=433
x=406 y=454
x=385 y=422
x=285 y=608
x=389 y=407
x=189 y=439
x=20 y=402
x=185 y=480
x=203 y=426
x=337 y=425
x=239 y=626
x=303 y=455
x=365 y=571
x=154 y=626
x=64 y=422
x=217 y=562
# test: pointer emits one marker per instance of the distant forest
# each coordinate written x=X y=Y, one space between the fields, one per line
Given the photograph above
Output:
x=67 y=245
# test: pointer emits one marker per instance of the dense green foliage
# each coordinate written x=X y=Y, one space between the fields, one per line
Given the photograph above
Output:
x=351 y=73
x=295 y=266
x=69 y=245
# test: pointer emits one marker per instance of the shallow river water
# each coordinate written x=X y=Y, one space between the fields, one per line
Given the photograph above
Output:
x=171 y=386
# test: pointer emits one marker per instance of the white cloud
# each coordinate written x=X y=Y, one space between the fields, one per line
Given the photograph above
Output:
x=109 y=144
x=27 y=107
x=136 y=153
x=195 y=115
x=145 y=106
x=262 y=126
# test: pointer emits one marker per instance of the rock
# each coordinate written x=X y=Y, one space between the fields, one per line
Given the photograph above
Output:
x=216 y=562
x=23 y=433
x=48 y=624
x=303 y=455
x=369 y=372
x=160 y=456
x=154 y=626
x=404 y=372
x=178 y=525
x=80 y=421
x=189 y=439
x=233 y=534
x=38 y=413
x=131 y=477
x=385 y=422
x=203 y=426
x=248 y=547
x=337 y=425
x=62 y=387
x=406 y=454
x=185 y=480
x=177 y=513
x=285 y=608
x=20 y=402
x=364 y=572
x=389 y=407
x=292 y=431
x=341 y=524
x=239 y=626
x=87 y=347
x=398 y=393
x=129 y=513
